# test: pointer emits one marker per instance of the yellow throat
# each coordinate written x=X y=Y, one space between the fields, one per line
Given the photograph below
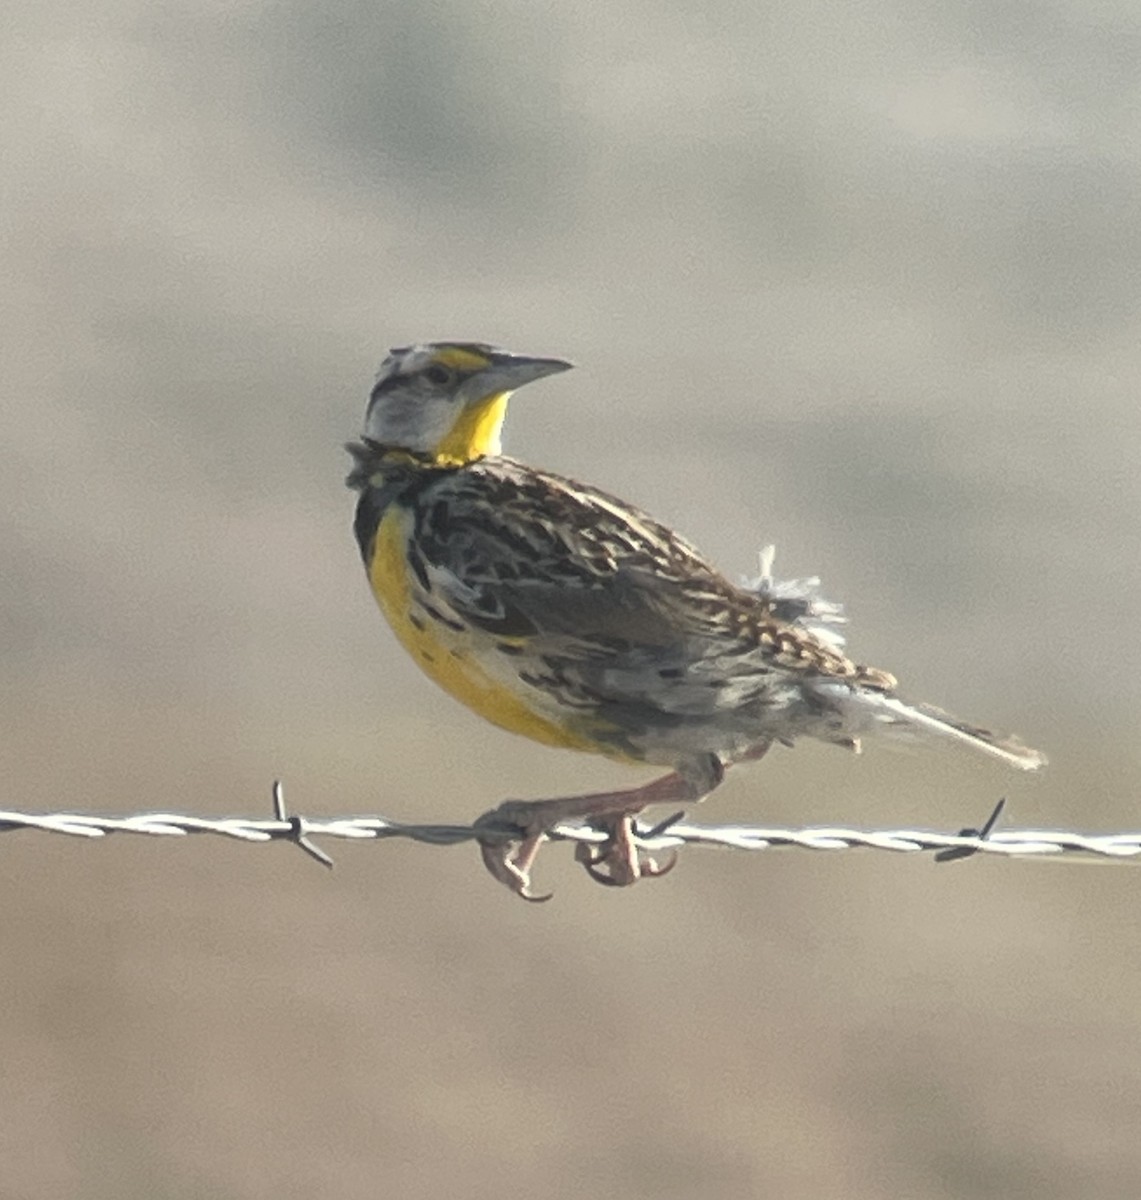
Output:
x=475 y=433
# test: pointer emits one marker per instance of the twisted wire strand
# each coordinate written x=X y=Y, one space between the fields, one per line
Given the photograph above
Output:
x=667 y=835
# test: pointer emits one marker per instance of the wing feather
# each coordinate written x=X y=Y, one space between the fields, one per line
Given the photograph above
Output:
x=521 y=553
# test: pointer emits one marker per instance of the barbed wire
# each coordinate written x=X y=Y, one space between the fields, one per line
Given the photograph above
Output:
x=669 y=835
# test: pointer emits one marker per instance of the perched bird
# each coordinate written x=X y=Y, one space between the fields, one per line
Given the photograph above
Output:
x=560 y=612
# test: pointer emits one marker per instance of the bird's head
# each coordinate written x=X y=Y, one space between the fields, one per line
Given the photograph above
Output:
x=446 y=400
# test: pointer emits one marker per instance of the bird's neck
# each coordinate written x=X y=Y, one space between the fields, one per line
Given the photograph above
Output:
x=475 y=434
x=376 y=464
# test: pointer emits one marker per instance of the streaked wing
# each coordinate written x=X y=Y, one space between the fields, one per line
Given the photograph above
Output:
x=524 y=554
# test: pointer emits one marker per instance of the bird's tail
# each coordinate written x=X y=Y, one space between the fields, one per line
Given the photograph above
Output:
x=926 y=718
x=870 y=712
x=871 y=706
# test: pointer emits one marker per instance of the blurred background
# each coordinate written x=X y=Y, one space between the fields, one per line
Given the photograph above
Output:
x=861 y=280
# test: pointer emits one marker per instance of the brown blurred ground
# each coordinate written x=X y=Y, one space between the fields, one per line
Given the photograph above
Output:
x=858 y=280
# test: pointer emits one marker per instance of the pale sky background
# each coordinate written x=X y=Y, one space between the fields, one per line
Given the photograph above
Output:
x=862 y=280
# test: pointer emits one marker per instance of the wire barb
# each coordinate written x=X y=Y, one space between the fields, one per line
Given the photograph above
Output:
x=955 y=852
x=297 y=827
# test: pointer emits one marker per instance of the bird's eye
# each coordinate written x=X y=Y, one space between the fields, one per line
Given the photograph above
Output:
x=437 y=375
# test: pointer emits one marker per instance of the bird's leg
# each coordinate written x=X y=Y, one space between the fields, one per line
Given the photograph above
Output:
x=616 y=862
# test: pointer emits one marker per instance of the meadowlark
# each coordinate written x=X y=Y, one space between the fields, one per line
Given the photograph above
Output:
x=560 y=612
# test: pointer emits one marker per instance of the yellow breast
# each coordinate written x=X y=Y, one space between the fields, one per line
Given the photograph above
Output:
x=450 y=656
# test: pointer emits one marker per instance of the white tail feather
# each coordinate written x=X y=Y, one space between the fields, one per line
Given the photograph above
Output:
x=926 y=717
x=867 y=711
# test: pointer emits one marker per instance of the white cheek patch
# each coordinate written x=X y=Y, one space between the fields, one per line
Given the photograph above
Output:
x=415 y=421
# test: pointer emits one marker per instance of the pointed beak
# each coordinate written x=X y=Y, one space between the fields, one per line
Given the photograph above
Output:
x=510 y=371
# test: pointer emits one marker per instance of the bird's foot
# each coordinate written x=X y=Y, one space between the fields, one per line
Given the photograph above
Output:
x=514 y=832
x=511 y=844
x=619 y=862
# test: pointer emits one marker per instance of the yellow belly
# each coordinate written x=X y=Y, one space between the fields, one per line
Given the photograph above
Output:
x=449 y=656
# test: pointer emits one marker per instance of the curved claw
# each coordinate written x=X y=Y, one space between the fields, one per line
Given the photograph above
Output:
x=612 y=867
x=592 y=859
x=652 y=870
x=497 y=859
